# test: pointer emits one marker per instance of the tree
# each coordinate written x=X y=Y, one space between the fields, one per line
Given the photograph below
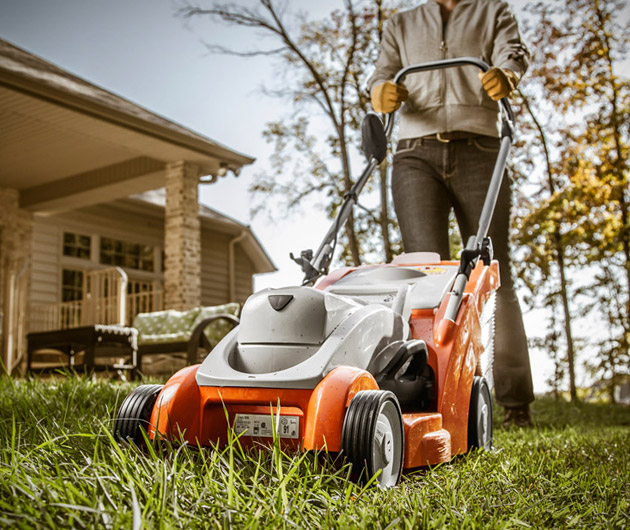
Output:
x=579 y=218
x=322 y=67
x=540 y=231
x=600 y=176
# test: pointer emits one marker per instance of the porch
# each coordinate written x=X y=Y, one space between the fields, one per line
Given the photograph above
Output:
x=71 y=148
x=102 y=314
x=108 y=296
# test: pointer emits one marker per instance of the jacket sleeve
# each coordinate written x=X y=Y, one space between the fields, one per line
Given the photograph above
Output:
x=388 y=62
x=509 y=51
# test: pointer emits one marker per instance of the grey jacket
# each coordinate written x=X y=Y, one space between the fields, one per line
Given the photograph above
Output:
x=453 y=99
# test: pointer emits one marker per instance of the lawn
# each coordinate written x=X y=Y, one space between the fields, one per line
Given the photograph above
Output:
x=59 y=467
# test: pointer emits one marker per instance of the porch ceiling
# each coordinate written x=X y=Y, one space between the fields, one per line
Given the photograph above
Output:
x=41 y=143
x=57 y=129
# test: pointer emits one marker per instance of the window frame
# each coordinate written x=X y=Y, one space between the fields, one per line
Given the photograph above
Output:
x=86 y=265
x=125 y=244
x=77 y=236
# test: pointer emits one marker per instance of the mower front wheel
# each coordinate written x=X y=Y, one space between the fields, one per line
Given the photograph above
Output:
x=134 y=414
x=373 y=436
x=480 y=415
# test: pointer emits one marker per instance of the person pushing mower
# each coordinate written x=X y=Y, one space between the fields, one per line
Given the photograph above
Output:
x=448 y=144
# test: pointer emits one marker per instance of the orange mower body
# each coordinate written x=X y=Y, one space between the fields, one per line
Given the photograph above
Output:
x=312 y=419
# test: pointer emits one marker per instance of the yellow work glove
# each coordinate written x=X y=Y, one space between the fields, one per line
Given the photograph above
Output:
x=498 y=82
x=388 y=97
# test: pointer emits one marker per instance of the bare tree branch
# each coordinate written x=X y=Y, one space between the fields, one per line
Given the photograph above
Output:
x=216 y=48
x=324 y=73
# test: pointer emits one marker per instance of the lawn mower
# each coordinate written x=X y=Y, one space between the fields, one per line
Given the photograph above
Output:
x=388 y=364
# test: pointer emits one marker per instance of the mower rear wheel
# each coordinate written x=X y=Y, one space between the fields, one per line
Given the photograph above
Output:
x=480 y=415
x=134 y=414
x=373 y=436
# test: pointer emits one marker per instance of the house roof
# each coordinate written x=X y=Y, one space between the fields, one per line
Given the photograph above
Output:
x=216 y=221
x=57 y=131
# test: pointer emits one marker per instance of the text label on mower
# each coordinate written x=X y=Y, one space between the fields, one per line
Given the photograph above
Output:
x=262 y=425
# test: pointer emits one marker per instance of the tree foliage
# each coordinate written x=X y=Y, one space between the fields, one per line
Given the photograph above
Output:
x=575 y=219
x=322 y=70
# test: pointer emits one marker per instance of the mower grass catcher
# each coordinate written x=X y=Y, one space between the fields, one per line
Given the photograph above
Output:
x=389 y=364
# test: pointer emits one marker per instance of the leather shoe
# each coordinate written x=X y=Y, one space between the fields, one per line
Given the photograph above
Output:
x=517 y=416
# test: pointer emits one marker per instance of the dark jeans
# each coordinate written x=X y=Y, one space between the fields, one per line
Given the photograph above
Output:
x=429 y=178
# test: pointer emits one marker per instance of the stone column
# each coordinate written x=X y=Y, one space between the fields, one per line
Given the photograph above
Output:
x=182 y=238
x=16 y=234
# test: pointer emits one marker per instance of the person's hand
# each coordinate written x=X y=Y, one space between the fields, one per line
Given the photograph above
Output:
x=498 y=82
x=388 y=97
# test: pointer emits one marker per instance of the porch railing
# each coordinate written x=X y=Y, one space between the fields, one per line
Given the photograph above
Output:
x=46 y=317
x=143 y=302
x=108 y=297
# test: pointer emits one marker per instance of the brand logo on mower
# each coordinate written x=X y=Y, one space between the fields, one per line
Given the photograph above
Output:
x=280 y=301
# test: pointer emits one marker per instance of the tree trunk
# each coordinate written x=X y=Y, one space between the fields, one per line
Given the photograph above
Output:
x=353 y=243
x=567 y=317
x=559 y=250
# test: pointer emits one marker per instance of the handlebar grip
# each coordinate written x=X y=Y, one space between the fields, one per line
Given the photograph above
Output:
x=504 y=104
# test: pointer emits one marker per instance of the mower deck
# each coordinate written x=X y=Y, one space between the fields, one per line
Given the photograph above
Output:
x=313 y=419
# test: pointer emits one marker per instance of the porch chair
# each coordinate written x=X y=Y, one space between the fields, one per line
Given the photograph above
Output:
x=171 y=332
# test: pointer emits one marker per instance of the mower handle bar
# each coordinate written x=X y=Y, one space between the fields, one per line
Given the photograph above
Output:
x=506 y=110
x=476 y=244
x=313 y=266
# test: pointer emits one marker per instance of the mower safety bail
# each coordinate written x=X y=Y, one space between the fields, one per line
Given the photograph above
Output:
x=479 y=245
x=375 y=137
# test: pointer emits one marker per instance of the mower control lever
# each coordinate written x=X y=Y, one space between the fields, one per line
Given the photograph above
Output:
x=469 y=257
x=487 y=251
x=304 y=261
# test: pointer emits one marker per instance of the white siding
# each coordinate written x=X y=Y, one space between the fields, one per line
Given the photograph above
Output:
x=45 y=268
x=106 y=220
x=214 y=268
x=139 y=227
x=244 y=272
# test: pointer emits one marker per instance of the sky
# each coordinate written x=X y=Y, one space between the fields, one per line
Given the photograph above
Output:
x=140 y=50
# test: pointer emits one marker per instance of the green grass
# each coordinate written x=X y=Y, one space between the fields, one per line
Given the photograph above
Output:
x=59 y=468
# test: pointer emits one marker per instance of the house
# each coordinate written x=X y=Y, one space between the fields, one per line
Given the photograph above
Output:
x=97 y=192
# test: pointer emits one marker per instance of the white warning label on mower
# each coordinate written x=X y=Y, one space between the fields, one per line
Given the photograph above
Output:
x=262 y=425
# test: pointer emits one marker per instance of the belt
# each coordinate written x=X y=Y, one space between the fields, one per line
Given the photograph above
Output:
x=452 y=136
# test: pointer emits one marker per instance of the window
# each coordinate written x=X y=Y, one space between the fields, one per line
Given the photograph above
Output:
x=72 y=285
x=126 y=254
x=76 y=245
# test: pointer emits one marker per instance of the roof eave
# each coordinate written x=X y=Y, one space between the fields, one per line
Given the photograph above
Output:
x=71 y=101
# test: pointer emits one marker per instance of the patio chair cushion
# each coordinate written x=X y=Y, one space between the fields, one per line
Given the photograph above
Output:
x=176 y=332
x=170 y=326
x=162 y=327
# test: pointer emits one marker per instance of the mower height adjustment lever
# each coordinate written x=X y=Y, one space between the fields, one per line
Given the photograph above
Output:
x=305 y=262
x=469 y=256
